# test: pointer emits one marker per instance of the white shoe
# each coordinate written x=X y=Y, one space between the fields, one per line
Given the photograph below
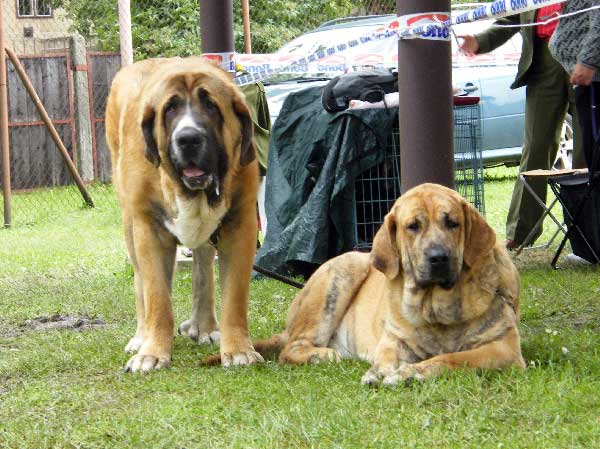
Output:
x=575 y=259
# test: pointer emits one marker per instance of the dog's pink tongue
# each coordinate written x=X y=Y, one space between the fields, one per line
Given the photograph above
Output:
x=192 y=172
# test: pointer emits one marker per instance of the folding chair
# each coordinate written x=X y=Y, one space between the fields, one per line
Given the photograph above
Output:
x=526 y=178
x=579 y=195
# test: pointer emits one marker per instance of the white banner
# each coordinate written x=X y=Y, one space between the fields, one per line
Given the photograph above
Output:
x=424 y=26
x=430 y=26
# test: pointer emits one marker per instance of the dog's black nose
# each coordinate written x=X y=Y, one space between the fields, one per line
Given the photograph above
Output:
x=438 y=257
x=189 y=138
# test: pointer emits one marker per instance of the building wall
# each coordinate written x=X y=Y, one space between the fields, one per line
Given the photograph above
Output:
x=49 y=33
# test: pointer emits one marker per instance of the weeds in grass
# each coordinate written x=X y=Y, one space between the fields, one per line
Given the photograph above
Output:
x=61 y=388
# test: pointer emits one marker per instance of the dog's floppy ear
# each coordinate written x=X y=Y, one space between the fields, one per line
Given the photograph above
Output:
x=247 y=153
x=151 y=151
x=480 y=238
x=384 y=254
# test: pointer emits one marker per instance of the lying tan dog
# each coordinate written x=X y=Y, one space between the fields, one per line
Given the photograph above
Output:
x=437 y=292
x=184 y=168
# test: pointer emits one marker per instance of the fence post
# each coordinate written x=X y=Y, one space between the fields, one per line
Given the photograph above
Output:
x=81 y=97
x=125 y=33
x=246 y=20
x=425 y=106
x=4 y=139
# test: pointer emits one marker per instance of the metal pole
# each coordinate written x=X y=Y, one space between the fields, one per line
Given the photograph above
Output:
x=216 y=26
x=49 y=125
x=425 y=107
x=4 y=140
x=246 y=19
x=125 y=33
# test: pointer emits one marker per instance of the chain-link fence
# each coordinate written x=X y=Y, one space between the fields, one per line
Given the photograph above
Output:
x=72 y=82
x=47 y=64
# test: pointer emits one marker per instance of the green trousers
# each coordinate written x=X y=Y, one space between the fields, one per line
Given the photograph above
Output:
x=256 y=99
x=548 y=98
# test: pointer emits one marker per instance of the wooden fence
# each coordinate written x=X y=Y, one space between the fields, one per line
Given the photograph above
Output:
x=34 y=159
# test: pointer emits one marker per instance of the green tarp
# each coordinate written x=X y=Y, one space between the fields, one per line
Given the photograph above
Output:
x=314 y=157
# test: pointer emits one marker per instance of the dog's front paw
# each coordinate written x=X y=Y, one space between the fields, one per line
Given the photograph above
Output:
x=147 y=362
x=150 y=357
x=192 y=330
x=406 y=373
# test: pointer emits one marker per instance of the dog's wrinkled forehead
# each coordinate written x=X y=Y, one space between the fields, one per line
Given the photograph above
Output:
x=187 y=86
x=428 y=207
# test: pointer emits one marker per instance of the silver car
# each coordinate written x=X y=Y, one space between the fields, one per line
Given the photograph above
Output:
x=487 y=76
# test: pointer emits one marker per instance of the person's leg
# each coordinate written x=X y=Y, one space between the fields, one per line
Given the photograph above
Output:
x=545 y=109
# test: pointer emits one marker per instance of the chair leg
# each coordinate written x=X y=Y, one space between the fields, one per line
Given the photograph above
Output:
x=574 y=217
x=547 y=212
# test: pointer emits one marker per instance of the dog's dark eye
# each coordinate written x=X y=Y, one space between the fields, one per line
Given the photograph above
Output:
x=172 y=105
x=206 y=101
x=450 y=224
x=414 y=226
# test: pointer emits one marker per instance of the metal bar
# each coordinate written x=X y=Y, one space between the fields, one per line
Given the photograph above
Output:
x=216 y=26
x=425 y=106
x=277 y=277
x=125 y=33
x=246 y=20
x=4 y=136
x=38 y=123
x=51 y=129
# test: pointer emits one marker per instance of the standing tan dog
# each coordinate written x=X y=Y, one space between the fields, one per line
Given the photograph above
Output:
x=184 y=168
x=437 y=292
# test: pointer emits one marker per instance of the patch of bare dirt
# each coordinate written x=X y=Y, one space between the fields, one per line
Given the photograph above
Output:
x=55 y=322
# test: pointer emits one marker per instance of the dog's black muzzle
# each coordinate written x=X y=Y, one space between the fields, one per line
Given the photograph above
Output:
x=191 y=154
x=439 y=268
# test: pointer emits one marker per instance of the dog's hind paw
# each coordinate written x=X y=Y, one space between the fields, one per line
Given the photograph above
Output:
x=406 y=373
x=209 y=339
x=321 y=355
x=202 y=336
x=241 y=358
x=134 y=345
x=372 y=377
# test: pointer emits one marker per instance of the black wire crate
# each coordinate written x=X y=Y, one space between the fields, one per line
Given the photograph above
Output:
x=377 y=188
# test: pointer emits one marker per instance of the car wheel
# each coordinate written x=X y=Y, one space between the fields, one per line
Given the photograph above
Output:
x=564 y=156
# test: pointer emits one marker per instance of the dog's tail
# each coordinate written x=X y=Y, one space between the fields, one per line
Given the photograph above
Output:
x=268 y=348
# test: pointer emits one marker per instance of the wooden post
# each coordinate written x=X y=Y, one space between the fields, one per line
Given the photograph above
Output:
x=49 y=125
x=4 y=140
x=246 y=20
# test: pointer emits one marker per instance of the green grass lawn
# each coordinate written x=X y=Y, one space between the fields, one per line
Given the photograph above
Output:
x=67 y=388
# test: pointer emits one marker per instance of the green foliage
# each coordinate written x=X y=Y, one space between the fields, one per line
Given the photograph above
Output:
x=172 y=27
x=275 y=22
x=165 y=28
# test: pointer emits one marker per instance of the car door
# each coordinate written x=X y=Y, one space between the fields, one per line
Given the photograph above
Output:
x=489 y=76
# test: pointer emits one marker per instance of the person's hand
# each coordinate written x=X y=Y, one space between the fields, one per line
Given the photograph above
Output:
x=582 y=75
x=469 y=45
